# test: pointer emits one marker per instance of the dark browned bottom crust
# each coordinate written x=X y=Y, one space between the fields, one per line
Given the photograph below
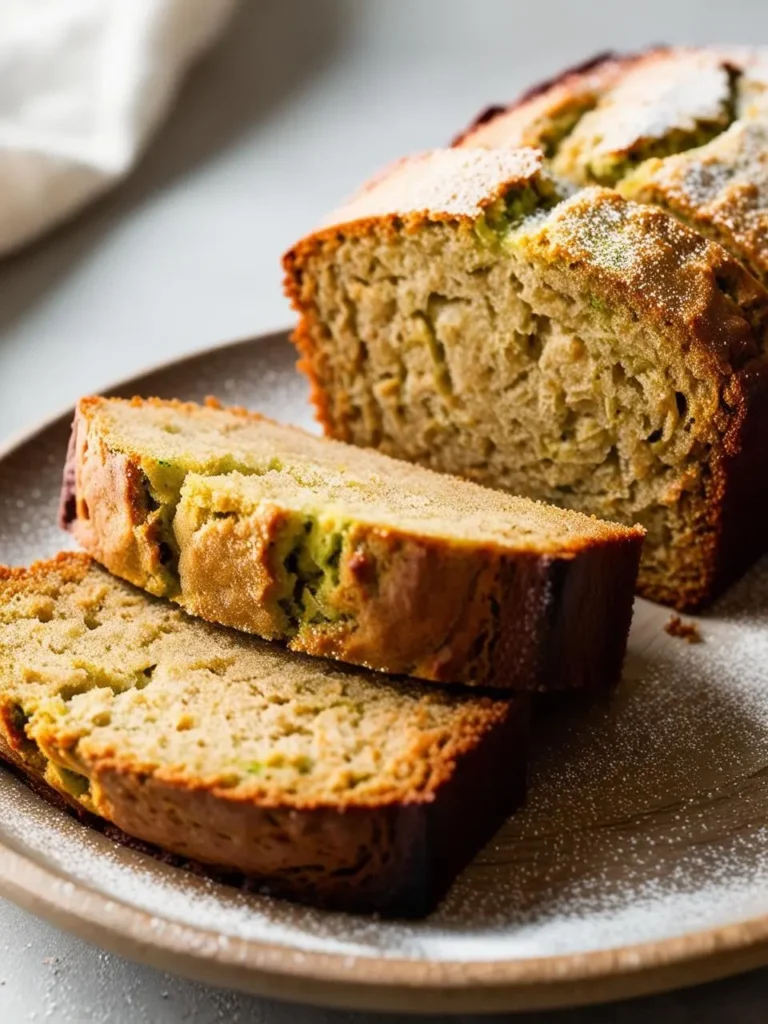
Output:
x=411 y=853
x=590 y=613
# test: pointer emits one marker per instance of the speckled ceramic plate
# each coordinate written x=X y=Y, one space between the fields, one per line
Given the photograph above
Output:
x=639 y=863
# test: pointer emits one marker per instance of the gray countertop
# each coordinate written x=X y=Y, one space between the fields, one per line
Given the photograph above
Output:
x=301 y=101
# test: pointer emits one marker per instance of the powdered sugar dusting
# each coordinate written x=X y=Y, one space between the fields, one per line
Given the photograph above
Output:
x=647 y=812
x=442 y=183
x=674 y=91
x=646 y=259
x=721 y=188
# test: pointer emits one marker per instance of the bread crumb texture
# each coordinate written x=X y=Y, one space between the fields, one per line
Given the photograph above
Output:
x=563 y=340
x=98 y=678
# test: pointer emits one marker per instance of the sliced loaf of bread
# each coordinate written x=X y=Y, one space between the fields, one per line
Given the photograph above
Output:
x=327 y=785
x=346 y=553
x=587 y=351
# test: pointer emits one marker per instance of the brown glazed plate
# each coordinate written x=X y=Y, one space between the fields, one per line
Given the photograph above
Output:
x=640 y=862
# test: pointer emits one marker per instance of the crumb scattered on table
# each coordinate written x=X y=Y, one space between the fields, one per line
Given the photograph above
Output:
x=688 y=631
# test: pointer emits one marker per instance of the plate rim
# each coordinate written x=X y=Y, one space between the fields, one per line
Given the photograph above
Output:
x=366 y=982
x=376 y=983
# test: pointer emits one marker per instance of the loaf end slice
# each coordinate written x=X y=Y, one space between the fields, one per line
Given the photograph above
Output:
x=592 y=352
x=345 y=553
x=323 y=784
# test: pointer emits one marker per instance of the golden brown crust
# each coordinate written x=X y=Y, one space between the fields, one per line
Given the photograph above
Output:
x=661 y=109
x=720 y=189
x=440 y=185
x=558 y=101
x=612 y=105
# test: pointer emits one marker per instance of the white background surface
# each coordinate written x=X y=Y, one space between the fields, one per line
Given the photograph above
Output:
x=302 y=100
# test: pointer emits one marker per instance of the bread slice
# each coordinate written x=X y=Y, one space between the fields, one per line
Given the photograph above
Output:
x=345 y=553
x=590 y=352
x=329 y=786
x=684 y=129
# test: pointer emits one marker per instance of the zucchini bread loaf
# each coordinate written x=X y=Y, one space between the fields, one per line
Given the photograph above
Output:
x=346 y=553
x=686 y=130
x=327 y=785
x=465 y=313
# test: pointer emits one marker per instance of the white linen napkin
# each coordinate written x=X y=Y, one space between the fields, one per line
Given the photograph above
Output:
x=83 y=84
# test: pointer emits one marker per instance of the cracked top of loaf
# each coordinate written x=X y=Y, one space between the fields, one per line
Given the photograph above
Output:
x=620 y=103
x=627 y=253
x=679 y=128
